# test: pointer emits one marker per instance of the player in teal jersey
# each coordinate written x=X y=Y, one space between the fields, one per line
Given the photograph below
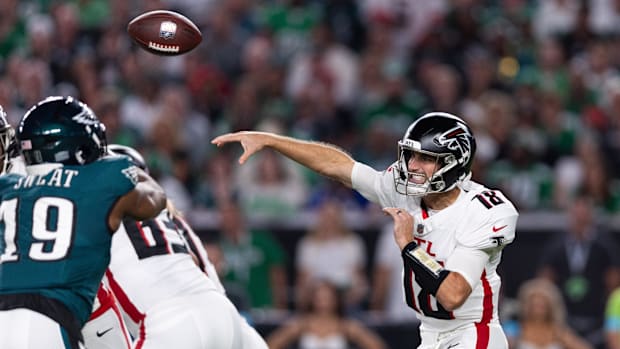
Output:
x=56 y=223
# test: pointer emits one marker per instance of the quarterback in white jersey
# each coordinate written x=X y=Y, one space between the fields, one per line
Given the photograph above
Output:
x=168 y=289
x=450 y=230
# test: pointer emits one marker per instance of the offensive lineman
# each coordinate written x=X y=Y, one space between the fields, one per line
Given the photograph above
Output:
x=56 y=223
x=451 y=230
x=168 y=289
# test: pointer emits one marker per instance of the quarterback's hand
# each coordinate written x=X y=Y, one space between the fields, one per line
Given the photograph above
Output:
x=251 y=142
x=403 y=225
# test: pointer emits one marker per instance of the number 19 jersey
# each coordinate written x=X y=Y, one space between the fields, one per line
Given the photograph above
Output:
x=54 y=234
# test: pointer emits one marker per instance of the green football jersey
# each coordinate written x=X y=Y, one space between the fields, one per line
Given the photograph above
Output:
x=54 y=234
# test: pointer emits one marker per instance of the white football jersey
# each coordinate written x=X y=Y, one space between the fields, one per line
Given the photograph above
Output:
x=17 y=165
x=481 y=219
x=150 y=263
x=199 y=251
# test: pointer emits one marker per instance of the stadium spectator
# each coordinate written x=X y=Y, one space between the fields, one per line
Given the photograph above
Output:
x=323 y=324
x=582 y=263
x=272 y=186
x=331 y=251
x=254 y=263
x=542 y=319
x=387 y=297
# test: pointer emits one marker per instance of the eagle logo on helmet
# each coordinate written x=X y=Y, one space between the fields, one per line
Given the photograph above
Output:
x=457 y=138
x=85 y=117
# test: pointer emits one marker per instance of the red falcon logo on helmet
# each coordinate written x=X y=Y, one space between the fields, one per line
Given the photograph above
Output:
x=457 y=138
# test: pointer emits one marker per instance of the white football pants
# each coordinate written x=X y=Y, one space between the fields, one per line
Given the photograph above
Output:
x=107 y=330
x=489 y=336
x=26 y=329
x=205 y=320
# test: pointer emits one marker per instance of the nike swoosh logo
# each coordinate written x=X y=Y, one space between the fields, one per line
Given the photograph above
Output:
x=454 y=345
x=495 y=230
x=99 y=334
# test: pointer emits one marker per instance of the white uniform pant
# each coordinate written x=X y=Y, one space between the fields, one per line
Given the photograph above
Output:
x=478 y=336
x=26 y=329
x=107 y=330
x=206 y=320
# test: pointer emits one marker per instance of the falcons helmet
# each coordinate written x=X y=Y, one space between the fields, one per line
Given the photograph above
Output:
x=443 y=136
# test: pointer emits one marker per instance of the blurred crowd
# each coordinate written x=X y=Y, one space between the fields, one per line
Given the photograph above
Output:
x=539 y=82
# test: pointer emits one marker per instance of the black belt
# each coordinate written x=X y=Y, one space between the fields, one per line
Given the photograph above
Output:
x=49 y=307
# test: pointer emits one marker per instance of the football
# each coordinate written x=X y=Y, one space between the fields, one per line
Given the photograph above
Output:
x=165 y=33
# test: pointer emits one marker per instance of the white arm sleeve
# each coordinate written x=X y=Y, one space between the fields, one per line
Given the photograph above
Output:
x=469 y=263
x=363 y=179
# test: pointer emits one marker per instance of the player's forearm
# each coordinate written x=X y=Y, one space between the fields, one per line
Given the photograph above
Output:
x=453 y=292
x=323 y=158
x=450 y=288
x=153 y=198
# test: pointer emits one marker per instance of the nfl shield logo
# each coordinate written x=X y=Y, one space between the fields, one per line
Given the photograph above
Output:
x=167 y=30
x=420 y=229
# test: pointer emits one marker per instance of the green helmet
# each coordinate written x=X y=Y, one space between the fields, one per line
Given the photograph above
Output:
x=61 y=130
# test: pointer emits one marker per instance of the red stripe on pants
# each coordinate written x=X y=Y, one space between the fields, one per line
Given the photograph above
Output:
x=482 y=327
